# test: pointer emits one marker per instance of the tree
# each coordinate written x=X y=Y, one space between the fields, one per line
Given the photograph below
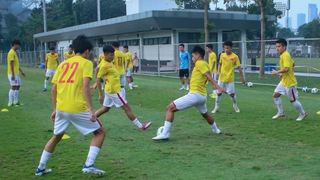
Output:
x=285 y=33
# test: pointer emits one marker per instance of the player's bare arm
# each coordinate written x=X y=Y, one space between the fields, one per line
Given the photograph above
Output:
x=213 y=64
x=284 y=70
x=207 y=74
x=23 y=74
x=12 y=70
x=54 y=100
x=87 y=97
x=219 y=69
x=241 y=74
x=101 y=96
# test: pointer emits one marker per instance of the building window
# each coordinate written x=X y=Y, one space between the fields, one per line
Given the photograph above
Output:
x=195 y=37
x=155 y=41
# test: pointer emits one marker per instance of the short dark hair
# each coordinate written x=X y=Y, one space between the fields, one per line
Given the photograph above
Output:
x=228 y=43
x=115 y=44
x=52 y=49
x=282 y=41
x=209 y=46
x=181 y=45
x=198 y=49
x=108 y=49
x=15 y=41
x=70 y=46
x=126 y=47
x=81 y=44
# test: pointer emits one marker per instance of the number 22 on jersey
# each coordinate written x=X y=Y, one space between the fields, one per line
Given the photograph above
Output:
x=66 y=76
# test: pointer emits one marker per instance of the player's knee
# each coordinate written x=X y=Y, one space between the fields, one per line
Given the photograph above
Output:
x=232 y=95
x=171 y=108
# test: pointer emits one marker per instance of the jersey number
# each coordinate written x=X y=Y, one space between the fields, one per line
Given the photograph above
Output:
x=67 y=67
x=119 y=61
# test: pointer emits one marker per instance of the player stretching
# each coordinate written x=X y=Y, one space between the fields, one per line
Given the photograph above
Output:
x=113 y=93
x=212 y=65
x=72 y=105
x=288 y=83
x=118 y=61
x=228 y=60
x=52 y=61
x=13 y=74
x=197 y=96
x=129 y=66
x=185 y=67
x=70 y=53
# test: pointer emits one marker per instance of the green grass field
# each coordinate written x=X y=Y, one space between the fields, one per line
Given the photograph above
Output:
x=252 y=146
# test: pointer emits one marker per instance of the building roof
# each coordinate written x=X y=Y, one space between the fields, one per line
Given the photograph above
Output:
x=156 y=20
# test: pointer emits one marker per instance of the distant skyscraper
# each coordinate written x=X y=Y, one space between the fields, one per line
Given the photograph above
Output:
x=312 y=12
x=301 y=19
x=281 y=7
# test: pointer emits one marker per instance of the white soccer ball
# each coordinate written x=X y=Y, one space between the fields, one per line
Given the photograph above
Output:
x=314 y=90
x=305 y=89
x=160 y=130
x=249 y=84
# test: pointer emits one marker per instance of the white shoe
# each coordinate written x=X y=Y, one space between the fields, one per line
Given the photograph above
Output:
x=92 y=169
x=278 y=115
x=187 y=88
x=215 y=110
x=301 y=117
x=161 y=137
x=182 y=88
x=216 y=130
x=236 y=109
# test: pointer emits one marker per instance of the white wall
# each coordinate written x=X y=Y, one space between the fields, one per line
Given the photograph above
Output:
x=137 y=6
x=63 y=45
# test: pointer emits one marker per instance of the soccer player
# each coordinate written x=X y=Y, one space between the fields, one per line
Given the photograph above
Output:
x=52 y=61
x=113 y=94
x=288 y=83
x=212 y=65
x=185 y=67
x=228 y=60
x=197 y=96
x=135 y=63
x=70 y=53
x=129 y=66
x=119 y=61
x=101 y=58
x=72 y=105
x=13 y=74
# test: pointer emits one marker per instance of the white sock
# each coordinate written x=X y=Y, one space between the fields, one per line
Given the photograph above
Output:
x=278 y=103
x=45 y=84
x=234 y=100
x=11 y=94
x=298 y=106
x=137 y=123
x=218 y=99
x=187 y=86
x=16 y=95
x=93 y=152
x=44 y=159
x=167 y=127
x=214 y=126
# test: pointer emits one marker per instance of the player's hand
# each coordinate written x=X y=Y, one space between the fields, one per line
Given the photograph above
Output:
x=94 y=86
x=53 y=116
x=243 y=81
x=12 y=77
x=101 y=98
x=93 y=118
x=222 y=90
x=23 y=74
x=274 y=71
x=45 y=70
x=218 y=73
x=280 y=76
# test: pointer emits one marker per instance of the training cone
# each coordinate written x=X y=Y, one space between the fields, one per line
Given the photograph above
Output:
x=65 y=136
x=4 y=110
x=213 y=96
x=135 y=86
x=318 y=112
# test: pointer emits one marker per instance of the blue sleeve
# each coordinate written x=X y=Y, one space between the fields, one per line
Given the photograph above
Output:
x=189 y=57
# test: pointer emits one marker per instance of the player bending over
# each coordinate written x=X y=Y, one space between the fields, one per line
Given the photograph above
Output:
x=197 y=96
x=113 y=95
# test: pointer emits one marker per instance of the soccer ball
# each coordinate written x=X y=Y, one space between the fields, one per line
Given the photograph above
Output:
x=314 y=90
x=305 y=89
x=249 y=84
x=160 y=130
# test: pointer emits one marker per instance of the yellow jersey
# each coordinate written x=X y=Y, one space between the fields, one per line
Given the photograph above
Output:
x=118 y=61
x=288 y=78
x=67 y=55
x=12 y=56
x=198 y=80
x=109 y=71
x=213 y=58
x=52 y=61
x=101 y=58
x=129 y=60
x=69 y=80
x=227 y=63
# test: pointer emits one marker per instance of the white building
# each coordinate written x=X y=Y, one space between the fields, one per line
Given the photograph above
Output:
x=281 y=7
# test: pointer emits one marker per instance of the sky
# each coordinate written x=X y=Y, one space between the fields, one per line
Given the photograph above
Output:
x=297 y=6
